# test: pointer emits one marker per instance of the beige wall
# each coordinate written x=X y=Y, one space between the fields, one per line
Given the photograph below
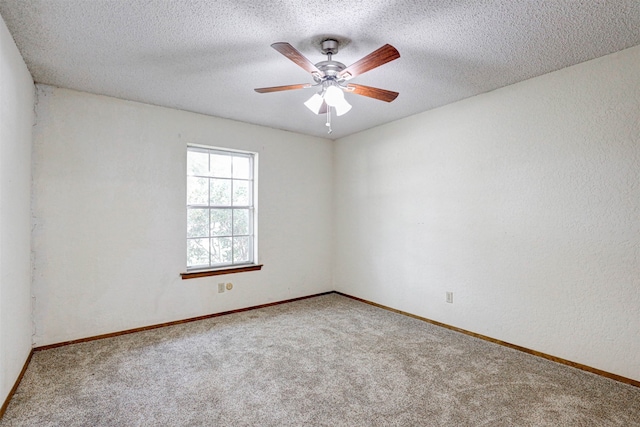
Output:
x=109 y=192
x=524 y=202
x=16 y=121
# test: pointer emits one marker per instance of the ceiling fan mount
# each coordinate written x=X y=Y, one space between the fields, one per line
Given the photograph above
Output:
x=331 y=77
x=329 y=47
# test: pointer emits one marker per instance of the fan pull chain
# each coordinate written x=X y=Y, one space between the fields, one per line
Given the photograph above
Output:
x=328 y=124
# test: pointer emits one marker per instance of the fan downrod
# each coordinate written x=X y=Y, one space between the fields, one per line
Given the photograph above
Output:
x=329 y=68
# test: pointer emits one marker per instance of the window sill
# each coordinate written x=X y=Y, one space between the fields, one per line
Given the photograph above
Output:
x=219 y=271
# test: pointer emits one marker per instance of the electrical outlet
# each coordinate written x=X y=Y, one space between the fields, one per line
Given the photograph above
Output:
x=450 y=297
x=220 y=288
x=229 y=286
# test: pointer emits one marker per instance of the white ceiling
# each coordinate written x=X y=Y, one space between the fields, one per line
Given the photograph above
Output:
x=207 y=56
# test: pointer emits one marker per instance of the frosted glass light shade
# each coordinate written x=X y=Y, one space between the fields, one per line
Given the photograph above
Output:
x=333 y=96
x=342 y=107
x=314 y=103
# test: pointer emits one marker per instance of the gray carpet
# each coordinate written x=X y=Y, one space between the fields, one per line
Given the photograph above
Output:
x=323 y=361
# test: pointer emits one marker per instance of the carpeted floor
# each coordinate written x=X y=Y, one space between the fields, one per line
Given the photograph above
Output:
x=323 y=361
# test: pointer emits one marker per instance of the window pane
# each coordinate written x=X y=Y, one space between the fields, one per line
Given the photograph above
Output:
x=241 y=249
x=220 y=192
x=221 y=222
x=240 y=221
x=221 y=166
x=241 y=194
x=221 y=250
x=198 y=223
x=197 y=191
x=197 y=163
x=197 y=252
x=220 y=214
x=241 y=167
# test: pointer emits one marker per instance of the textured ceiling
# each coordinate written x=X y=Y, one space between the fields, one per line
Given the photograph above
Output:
x=207 y=56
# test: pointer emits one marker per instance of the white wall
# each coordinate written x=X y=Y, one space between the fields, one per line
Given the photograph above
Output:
x=16 y=121
x=108 y=204
x=525 y=202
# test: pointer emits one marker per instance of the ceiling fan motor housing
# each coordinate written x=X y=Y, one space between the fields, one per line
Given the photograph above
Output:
x=330 y=68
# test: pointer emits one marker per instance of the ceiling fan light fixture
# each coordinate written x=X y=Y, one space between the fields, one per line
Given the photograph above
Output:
x=342 y=107
x=333 y=96
x=314 y=103
x=330 y=76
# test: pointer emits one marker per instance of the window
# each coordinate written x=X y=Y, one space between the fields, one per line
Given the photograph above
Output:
x=220 y=208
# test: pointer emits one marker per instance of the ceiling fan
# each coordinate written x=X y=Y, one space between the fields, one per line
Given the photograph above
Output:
x=331 y=77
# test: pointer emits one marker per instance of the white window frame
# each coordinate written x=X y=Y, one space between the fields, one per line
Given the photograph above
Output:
x=251 y=207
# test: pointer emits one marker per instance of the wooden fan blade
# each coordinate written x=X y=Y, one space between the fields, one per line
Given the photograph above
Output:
x=281 y=88
x=386 y=53
x=293 y=54
x=373 y=92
